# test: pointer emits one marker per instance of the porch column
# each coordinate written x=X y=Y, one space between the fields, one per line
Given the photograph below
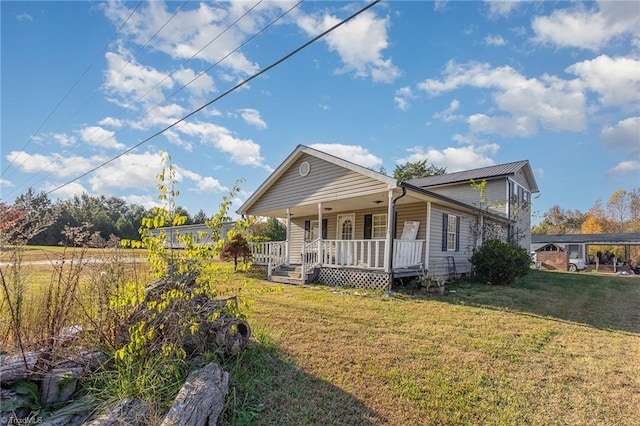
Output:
x=428 y=236
x=320 y=233
x=286 y=245
x=388 y=247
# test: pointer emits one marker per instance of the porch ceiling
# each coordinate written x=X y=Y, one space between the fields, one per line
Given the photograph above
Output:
x=343 y=203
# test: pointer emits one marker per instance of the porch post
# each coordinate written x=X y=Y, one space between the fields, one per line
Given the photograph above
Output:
x=320 y=233
x=428 y=236
x=286 y=245
x=388 y=247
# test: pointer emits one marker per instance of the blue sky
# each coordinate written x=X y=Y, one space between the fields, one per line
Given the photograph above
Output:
x=462 y=84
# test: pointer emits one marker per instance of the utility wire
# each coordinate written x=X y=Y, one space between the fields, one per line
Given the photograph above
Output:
x=183 y=63
x=68 y=92
x=237 y=86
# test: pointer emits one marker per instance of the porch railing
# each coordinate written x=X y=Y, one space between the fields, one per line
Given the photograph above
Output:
x=270 y=253
x=407 y=253
x=369 y=254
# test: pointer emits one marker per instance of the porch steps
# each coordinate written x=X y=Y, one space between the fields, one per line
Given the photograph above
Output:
x=291 y=274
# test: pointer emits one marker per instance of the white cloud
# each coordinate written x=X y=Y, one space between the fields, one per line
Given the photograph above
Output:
x=494 y=40
x=624 y=135
x=198 y=84
x=203 y=183
x=252 y=116
x=59 y=165
x=67 y=192
x=402 y=98
x=129 y=171
x=625 y=167
x=146 y=201
x=616 y=80
x=97 y=136
x=359 y=43
x=354 y=153
x=500 y=8
x=448 y=114
x=206 y=29
x=548 y=101
x=64 y=139
x=111 y=122
x=590 y=29
x=242 y=151
x=454 y=159
x=129 y=83
x=6 y=183
x=22 y=17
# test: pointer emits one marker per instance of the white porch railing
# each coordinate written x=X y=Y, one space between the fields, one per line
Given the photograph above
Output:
x=407 y=253
x=270 y=253
x=367 y=254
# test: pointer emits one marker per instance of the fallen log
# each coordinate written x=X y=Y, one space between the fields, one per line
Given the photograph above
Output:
x=129 y=412
x=22 y=366
x=201 y=399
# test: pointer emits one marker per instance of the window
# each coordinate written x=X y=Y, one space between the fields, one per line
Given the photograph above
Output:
x=379 y=227
x=375 y=226
x=450 y=232
x=311 y=230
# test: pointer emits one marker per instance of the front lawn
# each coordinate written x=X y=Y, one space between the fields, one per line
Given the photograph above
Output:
x=553 y=349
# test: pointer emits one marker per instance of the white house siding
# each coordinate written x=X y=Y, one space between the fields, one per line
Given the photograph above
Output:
x=325 y=181
x=437 y=257
x=493 y=199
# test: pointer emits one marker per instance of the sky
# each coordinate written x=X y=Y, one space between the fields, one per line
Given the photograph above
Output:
x=93 y=94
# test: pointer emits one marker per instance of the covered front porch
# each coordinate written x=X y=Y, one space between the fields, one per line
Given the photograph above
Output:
x=359 y=263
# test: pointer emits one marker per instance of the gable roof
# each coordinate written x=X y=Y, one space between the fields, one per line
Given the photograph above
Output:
x=499 y=170
x=298 y=152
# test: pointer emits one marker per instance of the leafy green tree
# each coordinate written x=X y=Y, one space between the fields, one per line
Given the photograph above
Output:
x=416 y=170
x=271 y=230
x=36 y=214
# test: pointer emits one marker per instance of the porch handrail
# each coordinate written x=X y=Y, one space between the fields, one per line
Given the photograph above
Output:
x=357 y=253
x=407 y=253
x=270 y=253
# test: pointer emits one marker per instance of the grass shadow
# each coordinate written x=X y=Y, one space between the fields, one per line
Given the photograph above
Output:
x=268 y=388
x=601 y=301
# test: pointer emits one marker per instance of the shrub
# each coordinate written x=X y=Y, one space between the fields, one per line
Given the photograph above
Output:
x=500 y=263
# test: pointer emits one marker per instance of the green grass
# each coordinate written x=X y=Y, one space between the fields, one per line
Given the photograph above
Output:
x=552 y=349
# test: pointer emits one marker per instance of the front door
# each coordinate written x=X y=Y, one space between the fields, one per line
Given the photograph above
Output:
x=345 y=233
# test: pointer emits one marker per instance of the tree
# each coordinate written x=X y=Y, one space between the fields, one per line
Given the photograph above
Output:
x=271 y=230
x=235 y=249
x=619 y=210
x=200 y=217
x=560 y=221
x=30 y=215
x=416 y=170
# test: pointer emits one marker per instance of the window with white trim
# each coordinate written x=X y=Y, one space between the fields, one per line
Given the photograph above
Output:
x=379 y=226
x=451 y=233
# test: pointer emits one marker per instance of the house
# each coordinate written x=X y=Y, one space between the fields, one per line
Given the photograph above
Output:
x=199 y=233
x=349 y=225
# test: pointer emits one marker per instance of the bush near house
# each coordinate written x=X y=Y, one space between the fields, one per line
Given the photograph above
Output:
x=500 y=263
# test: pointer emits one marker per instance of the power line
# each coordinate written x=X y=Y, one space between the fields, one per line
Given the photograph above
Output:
x=69 y=91
x=183 y=63
x=237 y=86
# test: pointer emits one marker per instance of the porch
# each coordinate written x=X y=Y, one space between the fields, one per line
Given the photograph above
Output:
x=353 y=263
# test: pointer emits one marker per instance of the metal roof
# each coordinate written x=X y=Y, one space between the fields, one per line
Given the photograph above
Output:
x=605 y=239
x=498 y=170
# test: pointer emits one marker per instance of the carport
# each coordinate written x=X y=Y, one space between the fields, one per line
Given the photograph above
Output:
x=578 y=247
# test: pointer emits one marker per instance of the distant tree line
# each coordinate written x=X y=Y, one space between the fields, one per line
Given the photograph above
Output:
x=621 y=214
x=35 y=219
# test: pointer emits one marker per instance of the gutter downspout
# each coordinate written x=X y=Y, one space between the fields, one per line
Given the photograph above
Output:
x=392 y=214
